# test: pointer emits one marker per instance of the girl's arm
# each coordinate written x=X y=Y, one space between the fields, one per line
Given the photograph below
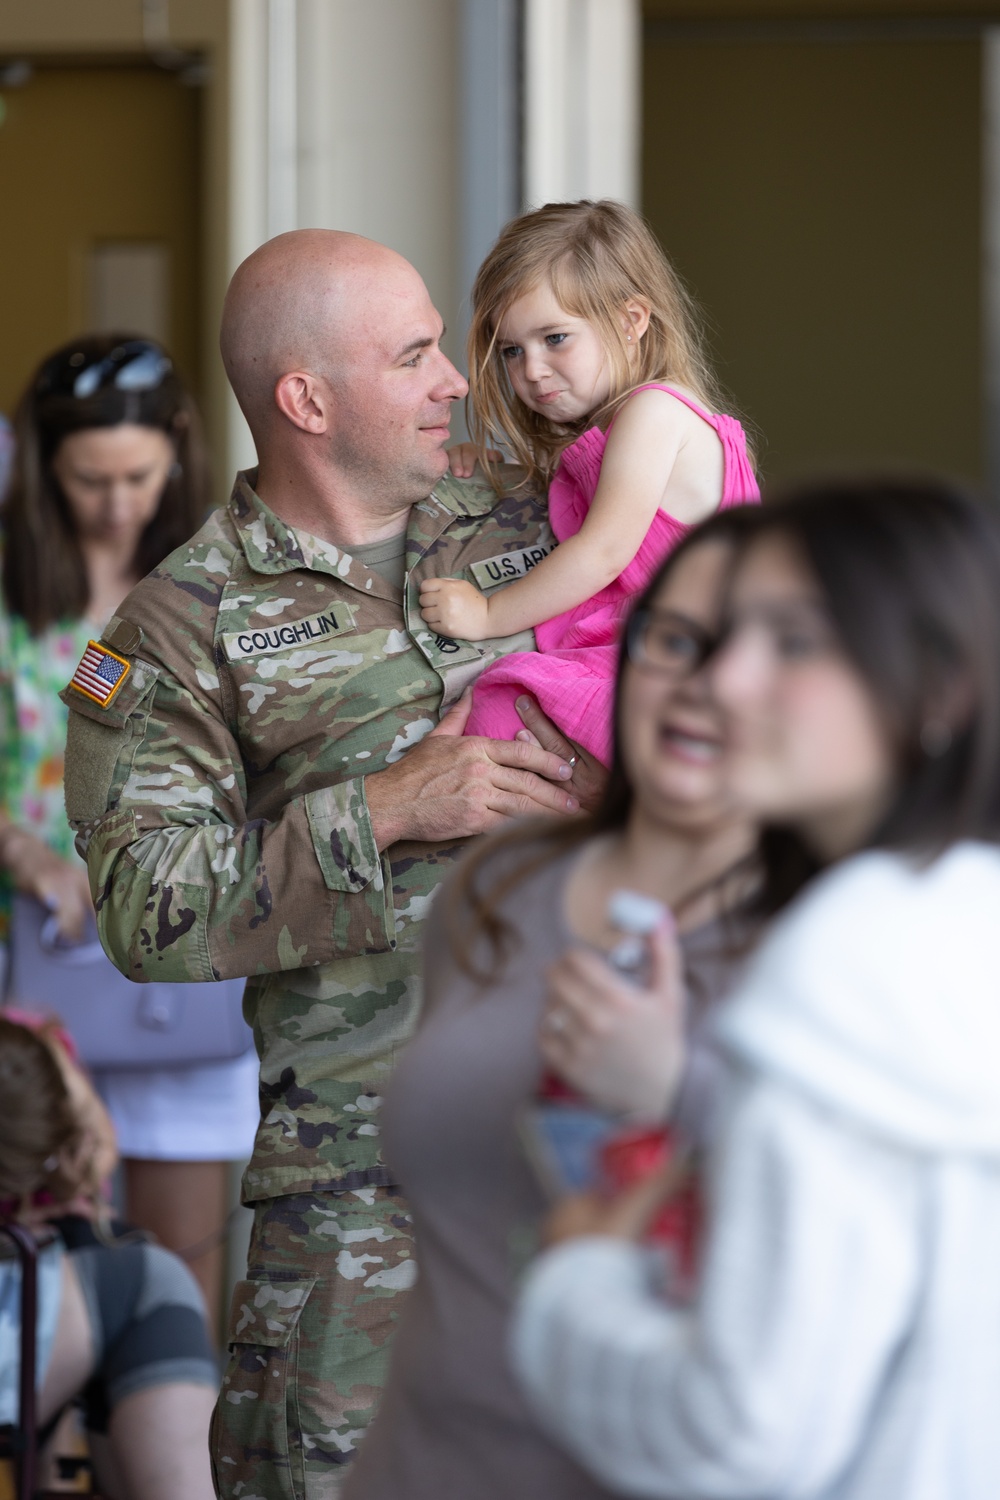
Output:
x=639 y=457
x=768 y=1385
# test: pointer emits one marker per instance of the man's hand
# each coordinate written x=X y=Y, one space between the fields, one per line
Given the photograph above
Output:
x=589 y=775
x=449 y=787
x=456 y=608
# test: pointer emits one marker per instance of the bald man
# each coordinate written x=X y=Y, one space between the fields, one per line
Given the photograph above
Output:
x=274 y=781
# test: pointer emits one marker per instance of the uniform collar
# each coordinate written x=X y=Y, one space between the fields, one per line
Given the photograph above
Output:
x=271 y=546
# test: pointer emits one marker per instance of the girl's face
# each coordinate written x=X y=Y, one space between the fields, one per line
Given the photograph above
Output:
x=556 y=362
x=806 y=744
x=672 y=732
x=113 y=478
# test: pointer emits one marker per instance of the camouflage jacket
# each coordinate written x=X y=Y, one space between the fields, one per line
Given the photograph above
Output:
x=219 y=796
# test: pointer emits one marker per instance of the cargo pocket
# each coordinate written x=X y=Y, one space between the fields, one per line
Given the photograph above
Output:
x=267 y=1311
x=257 y=1419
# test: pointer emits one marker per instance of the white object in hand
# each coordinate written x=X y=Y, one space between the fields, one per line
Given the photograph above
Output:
x=637 y=917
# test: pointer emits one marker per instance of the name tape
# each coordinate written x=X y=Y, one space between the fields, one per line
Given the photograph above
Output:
x=507 y=566
x=241 y=644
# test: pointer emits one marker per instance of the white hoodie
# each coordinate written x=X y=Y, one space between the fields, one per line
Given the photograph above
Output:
x=845 y=1341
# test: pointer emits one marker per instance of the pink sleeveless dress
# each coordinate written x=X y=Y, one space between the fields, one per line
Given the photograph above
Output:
x=572 y=674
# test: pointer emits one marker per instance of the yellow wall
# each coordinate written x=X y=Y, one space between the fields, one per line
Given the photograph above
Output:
x=104 y=31
x=823 y=202
x=91 y=154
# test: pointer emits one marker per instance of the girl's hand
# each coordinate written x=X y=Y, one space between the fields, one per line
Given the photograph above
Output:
x=621 y=1046
x=626 y=1216
x=455 y=608
x=57 y=884
x=463 y=459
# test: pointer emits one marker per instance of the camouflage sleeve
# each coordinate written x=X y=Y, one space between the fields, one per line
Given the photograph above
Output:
x=186 y=886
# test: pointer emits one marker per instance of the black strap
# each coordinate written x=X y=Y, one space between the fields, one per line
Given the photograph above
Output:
x=25 y=1458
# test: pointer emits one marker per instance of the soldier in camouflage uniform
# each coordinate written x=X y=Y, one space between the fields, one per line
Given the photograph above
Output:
x=264 y=792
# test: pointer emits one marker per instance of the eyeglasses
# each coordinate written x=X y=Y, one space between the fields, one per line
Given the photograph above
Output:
x=135 y=365
x=661 y=641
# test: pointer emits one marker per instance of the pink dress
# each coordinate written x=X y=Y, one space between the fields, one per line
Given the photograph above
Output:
x=572 y=674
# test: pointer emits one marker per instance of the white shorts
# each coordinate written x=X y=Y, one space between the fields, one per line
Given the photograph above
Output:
x=207 y=1112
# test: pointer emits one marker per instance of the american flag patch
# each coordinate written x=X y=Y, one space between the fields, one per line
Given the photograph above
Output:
x=100 y=673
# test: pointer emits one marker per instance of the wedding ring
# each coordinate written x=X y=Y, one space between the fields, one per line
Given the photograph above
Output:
x=571 y=762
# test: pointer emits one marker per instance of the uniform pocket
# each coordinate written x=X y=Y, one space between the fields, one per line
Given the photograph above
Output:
x=267 y=1312
x=256 y=1428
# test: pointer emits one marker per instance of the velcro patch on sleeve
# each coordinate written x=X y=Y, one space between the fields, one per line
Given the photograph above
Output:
x=100 y=674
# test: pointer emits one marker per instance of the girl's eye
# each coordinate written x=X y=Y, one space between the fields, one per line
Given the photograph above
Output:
x=554 y=339
x=511 y=351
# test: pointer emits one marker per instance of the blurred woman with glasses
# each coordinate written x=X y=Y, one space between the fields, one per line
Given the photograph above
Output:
x=842 y=1338
x=109 y=477
x=452 y=1421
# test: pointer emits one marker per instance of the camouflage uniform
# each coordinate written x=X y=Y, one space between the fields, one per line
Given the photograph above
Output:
x=219 y=798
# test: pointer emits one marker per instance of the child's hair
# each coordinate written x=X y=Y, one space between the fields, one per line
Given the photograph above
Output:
x=596 y=257
x=39 y=1127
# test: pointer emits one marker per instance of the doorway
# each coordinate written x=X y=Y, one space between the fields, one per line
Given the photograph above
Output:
x=100 y=186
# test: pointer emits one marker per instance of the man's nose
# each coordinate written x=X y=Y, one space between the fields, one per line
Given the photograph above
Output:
x=452 y=384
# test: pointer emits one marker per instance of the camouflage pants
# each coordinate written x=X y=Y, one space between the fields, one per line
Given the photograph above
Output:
x=309 y=1338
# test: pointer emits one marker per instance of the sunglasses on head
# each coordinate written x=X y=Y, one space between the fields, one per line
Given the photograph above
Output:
x=135 y=365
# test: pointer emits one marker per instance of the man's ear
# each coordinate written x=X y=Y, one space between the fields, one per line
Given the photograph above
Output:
x=300 y=398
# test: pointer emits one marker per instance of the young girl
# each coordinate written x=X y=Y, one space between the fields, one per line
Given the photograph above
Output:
x=585 y=358
x=843 y=1338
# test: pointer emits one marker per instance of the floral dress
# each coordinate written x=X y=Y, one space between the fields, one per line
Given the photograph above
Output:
x=202 y=1112
x=33 y=671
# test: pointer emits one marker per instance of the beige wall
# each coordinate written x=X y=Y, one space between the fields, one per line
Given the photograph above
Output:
x=823 y=201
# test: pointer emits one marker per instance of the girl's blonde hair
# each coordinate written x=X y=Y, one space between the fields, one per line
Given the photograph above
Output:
x=596 y=257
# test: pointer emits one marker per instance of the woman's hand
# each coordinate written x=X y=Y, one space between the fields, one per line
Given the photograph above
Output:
x=463 y=458
x=621 y=1046
x=57 y=884
x=626 y=1216
x=589 y=775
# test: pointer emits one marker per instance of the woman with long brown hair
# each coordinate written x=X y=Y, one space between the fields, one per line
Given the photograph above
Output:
x=842 y=1340
x=109 y=477
x=452 y=1421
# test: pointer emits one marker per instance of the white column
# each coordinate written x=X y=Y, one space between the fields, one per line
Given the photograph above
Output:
x=991 y=255
x=345 y=115
x=581 y=100
x=248 y=159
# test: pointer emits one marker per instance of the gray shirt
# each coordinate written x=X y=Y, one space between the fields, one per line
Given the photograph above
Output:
x=452 y=1422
